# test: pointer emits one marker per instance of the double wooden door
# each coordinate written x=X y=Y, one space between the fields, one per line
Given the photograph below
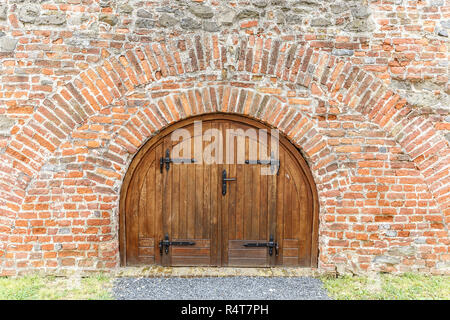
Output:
x=218 y=191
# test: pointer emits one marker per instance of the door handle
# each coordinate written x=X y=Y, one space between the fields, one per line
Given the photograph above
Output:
x=224 y=181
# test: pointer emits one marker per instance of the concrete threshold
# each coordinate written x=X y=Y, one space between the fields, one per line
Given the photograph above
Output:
x=191 y=272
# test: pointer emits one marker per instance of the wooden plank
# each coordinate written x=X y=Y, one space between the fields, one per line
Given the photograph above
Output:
x=215 y=210
x=135 y=211
x=183 y=186
x=290 y=252
x=240 y=202
x=232 y=196
x=290 y=261
x=175 y=197
x=287 y=204
x=224 y=209
x=191 y=187
x=248 y=196
x=167 y=200
x=290 y=243
x=146 y=251
x=191 y=261
x=206 y=229
x=159 y=181
x=198 y=199
x=256 y=205
x=187 y=251
x=248 y=262
x=304 y=253
x=168 y=192
x=278 y=222
x=146 y=242
x=142 y=219
x=131 y=250
x=151 y=212
x=146 y=260
x=264 y=207
x=248 y=253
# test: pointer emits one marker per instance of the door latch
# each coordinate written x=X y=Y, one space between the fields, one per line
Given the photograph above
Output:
x=166 y=243
x=271 y=245
x=224 y=181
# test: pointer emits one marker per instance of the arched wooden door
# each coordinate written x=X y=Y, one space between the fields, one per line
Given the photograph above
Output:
x=216 y=190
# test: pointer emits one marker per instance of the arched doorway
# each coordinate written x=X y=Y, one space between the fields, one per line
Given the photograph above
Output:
x=219 y=190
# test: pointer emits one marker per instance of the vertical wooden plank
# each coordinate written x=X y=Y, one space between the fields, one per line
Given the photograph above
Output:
x=191 y=187
x=158 y=200
x=240 y=197
x=175 y=199
x=296 y=214
x=298 y=208
x=256 y=205
x=215 y=209
x=300 y=203
x=287 y=203
x=131 y=225
x=232 y=195
x=167 y=194
x=265 y=195
x=206 y=223
x=150 y=207
x=142 y=217
x=224 y=216
x=183 y=186
x=248 y=196
x=198 y=198
x=264 y=207
x=280 y=204
x=167 y=202
x=272 y=210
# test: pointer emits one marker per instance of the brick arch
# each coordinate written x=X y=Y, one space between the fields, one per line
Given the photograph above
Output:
x=93 y=185
x=112 y=163
x=328 y=78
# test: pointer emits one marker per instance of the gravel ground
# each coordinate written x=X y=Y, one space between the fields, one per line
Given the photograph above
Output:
x=232 y=288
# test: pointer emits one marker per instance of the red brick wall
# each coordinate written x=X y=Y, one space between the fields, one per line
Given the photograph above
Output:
x=363 y=94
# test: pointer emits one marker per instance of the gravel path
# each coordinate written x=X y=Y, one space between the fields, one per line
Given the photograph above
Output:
x=232 y=288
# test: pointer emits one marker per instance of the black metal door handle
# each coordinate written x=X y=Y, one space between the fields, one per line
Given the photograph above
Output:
x=224 y=181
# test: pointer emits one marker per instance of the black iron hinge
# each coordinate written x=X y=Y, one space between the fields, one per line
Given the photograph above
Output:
x=271 y=245
x=166 y=243
x=167 y=161
x=274 y=163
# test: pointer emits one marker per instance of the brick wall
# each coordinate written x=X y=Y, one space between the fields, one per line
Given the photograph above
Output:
x=361 y=87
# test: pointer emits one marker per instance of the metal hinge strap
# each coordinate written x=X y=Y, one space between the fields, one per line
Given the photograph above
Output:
x=167 y=161
x=271 y=245
x=166 y=243
x=274 y=163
